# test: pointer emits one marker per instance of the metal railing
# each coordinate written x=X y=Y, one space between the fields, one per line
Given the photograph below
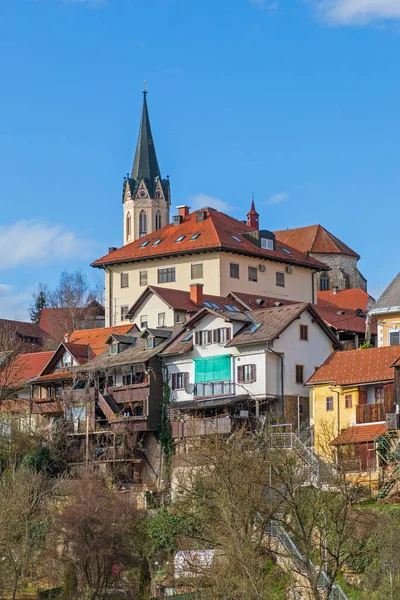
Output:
x=290 y=441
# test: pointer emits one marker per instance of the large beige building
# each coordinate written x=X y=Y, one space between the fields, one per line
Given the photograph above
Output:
x=205 y=246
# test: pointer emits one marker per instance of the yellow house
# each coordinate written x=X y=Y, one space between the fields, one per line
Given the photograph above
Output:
x=387 y=313
x=352 y=391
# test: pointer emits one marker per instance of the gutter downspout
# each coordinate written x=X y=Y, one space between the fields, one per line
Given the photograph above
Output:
x=108 y=270
x=338 y=408
x=282 y=378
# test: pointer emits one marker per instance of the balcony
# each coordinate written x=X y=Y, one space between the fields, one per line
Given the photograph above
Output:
x=211 y=389
x=370 y=413
x=130 y=393
x=199 y=427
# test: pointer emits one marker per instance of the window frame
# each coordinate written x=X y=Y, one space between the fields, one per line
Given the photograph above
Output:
x=200 y=335
x=278 y=273
x=233 y=267
x=158 y=220
x=222 y=335
x=348 y=401
x=396 y=332
x=144 y=324
x=169 y=272
x=193 y=266
x=266 y=243
x=329 y=403
x=303 y=328
x=249 y=369
x=256 y=273
x=123 y=311
x=179 y=380
x=163 y=315
x=124 y=279
x=142 y=223
x=143 y=278
x=296 y=370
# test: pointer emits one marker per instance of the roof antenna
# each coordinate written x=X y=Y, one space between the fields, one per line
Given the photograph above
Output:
x=144 y=87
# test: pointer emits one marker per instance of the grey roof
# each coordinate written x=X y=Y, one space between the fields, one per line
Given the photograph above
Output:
x=390 y=297
x=160 y=333
x=145 y=165
x=124 y=339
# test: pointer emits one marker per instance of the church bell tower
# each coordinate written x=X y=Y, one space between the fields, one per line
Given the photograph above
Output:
x=146 y=196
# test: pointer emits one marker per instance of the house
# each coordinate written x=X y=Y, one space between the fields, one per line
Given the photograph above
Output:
x=387 y=313
x=229 y=368
x=59 y=321
x=27 y=337
x=353 y=402
x=324 y=246
x=352 y=299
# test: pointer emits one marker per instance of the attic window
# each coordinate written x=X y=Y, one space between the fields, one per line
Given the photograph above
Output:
x=150 y=343
x=156 y=242
x=195 y=236
x=211 y=305
x=114 y=348
x=180 y=238
x=187 y=337
x=236 y=238
x=143 y=244
x=267 y=244
x=254 y=327
x=286 y=250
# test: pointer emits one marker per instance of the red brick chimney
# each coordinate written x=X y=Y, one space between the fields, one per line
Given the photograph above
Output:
x=252 y=216
x=183 y=210
x=196 y=293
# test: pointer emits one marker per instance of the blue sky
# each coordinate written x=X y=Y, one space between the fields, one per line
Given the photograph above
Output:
x=296 y=100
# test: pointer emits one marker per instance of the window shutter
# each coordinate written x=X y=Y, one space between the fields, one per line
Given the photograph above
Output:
x=174 y=381
x=240 y=373
x=209 y=334
x=196 y=338
x=215 y=336
x=228 y=334
x=253 y=374
x=186 y=379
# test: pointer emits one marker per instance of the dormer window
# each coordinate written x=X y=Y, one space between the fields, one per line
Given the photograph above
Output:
x=267 y=244
x=150 y=343
x=114 y=348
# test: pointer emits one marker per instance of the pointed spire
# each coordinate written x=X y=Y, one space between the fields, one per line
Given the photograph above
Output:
x=145 y=165
x=252 y=215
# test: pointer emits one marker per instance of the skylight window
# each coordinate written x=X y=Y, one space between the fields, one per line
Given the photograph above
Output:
x=180 y=238
x=231 y=307
x=195 y=236
x=156 y=242
x=236 y=238
x=211 y=305
x=254 y=327
x=143 y=244
x=187 y=337
x=286 y=250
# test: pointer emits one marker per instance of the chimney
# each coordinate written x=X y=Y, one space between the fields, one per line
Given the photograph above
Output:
x=183 y=210
x=335 y=290
x=66 y=338
x=111 y=249
x=196 y=293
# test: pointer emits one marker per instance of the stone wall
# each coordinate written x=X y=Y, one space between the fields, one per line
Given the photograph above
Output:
x=342 y=268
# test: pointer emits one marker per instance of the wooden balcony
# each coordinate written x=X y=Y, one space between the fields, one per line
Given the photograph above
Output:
x=130 y=393
x=370 y=413
x=200 y=427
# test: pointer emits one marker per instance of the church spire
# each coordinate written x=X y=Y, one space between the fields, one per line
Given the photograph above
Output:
x=252 y=216
x=145 y=165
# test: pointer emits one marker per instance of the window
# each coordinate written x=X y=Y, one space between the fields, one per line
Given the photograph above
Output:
x=124 y=312
x=252 y=273
x=158 y=220
x=128 y=226
x=280 y=279
x=348 y=401
x=124 y=280
x=236 y=238
x=222 y=335
x=75 y=413
x=143 y=321
x=161 y=319
x=150 y=343
x=166 y=275
x=329 y=403
x=196 y=270
x=195 y=236
x=379 y=395
x=48 y=391
x=203 y=338
x=142 y=223
x=180 y=381
x=324 y=282
x=144 y=244
x=211 y=305
x=304 y=333
x=179 y=239
x=286 y=250
x=58 y=389
x=234 y=270
x=143 y=277
x=267 y=244
x=394 y=338
x=231 y=307
x=299 y=373
x=180 y=318
x=114 y=348
x=157 y=242
x=246 y=373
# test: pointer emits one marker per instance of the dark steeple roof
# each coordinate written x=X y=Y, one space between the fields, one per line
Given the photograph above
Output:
x=145 y=165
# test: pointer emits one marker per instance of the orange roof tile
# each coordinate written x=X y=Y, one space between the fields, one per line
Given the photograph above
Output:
x=26 y=366
x=353 y=367
x=54 y=376
x=314 y=238
x=359 y=434
x=352 y=298
x=215 y=232
x=96 y=338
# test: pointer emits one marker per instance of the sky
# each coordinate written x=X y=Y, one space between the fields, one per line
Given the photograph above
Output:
x=296 y=101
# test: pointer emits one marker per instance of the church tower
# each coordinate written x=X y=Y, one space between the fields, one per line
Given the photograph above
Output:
x=146 y=196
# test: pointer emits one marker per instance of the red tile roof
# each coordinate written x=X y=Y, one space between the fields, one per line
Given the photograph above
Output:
x=353 y=367
x=215 y=233
x=23 y=330
x=353 y=299
x=358 y=434
x=96 y=338
x=54 y=376
x=59 y=321
x=316 y=239
x=26 y=366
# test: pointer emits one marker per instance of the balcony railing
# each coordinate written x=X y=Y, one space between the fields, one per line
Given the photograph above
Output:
x=370 y=413
x=197 y=427
x=214 y=388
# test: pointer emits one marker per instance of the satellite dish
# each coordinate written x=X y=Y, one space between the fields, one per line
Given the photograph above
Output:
x=189 y=389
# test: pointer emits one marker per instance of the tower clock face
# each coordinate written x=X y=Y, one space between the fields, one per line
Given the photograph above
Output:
x=142 y=194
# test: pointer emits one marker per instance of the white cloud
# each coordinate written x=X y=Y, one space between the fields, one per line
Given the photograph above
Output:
x=200 y=200
x=357 y=12
x=38 y=243
x=13 y=305
x=278 y=198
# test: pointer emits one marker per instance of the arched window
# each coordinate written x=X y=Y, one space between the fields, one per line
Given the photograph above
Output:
x=346 y=281
x=324 y=282
x=142 y=223
x=128 y=226
x=158 y=220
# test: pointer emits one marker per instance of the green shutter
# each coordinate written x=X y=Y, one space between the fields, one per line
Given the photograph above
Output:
x=214 y=368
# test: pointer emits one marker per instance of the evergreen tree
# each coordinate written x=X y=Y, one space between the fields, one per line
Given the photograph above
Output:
x=40 y=301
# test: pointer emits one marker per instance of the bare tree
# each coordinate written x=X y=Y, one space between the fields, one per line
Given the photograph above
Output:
x=12 y=366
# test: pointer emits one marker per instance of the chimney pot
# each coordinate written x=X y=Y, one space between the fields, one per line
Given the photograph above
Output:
x=66 y=338
x=196 y=293
x=183 y=210
x=335 y=290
